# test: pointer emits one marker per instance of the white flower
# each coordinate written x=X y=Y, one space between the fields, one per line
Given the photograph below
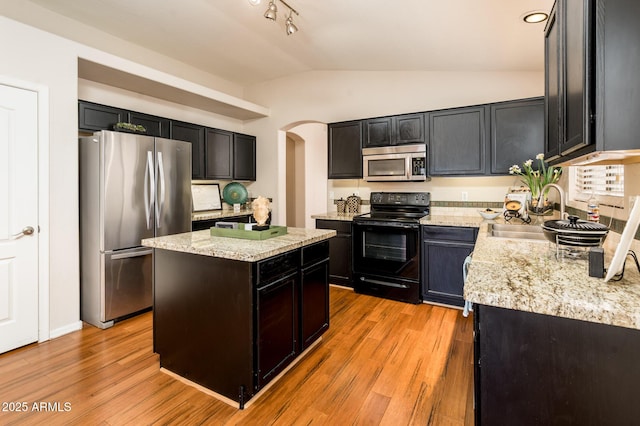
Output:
x=528 y=163
x=540 y=156
x=515 y=169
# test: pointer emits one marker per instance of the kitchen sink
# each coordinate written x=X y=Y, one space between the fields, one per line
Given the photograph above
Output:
x=520 y=232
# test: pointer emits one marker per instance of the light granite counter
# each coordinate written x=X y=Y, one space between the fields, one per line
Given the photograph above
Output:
x=525 y=275
x=346 y=217
x=201 y=242
x=219 y=214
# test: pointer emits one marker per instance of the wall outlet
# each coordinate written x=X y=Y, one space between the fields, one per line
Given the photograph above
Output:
x=332 y=195
x=465 y=196
x=356 y=193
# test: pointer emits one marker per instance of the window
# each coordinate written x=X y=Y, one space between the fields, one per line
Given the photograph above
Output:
x=603 y=181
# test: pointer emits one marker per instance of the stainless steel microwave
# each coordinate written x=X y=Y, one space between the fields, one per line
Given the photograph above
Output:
x=395 y=163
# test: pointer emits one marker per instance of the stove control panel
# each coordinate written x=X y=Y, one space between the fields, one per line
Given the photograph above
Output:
x=422 y=199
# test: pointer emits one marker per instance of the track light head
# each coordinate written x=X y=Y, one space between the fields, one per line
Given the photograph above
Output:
x=290 y=27
x=271 y=12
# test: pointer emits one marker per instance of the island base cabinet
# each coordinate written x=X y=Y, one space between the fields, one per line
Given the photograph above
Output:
x=533 y=369
x=314 y=302
x=276 y=327
x=233 y=326
x=202 y=322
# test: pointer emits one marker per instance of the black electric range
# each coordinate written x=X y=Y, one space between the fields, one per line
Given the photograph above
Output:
x=386 y=245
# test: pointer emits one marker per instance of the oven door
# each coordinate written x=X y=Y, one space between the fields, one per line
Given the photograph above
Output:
x=389 y=249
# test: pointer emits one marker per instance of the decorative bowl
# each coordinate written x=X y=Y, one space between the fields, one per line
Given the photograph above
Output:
x=489 y=213
x=235 y=193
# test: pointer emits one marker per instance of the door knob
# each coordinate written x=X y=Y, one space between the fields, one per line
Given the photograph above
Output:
x=27 y=230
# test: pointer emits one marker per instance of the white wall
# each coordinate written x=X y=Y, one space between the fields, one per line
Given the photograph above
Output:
x=35 y=56
x=331 y=96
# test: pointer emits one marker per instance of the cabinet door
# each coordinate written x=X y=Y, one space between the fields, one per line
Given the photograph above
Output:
x=218 y=154
x=552 y=87
x=443 y=281
x=517 y=133
x=340 y=270
x=458 y=141
x=408 y=128
x=345 y=150
x=314 y=306
x=377 y=132
x=276 y=327
x=244 y=157
x=576 y=42
x=96 y=117
x=156 y=126
x=194 y=134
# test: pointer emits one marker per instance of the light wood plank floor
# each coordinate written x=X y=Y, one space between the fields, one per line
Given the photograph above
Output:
x=380 y=363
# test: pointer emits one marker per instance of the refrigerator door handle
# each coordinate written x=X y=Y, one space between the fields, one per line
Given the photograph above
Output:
x=160 y=186
x=149 y=188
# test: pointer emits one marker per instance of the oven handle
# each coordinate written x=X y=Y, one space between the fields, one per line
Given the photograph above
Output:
x=388 y=224
x=384 y=283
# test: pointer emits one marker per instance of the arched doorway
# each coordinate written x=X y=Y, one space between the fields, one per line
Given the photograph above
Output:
x=306 y=172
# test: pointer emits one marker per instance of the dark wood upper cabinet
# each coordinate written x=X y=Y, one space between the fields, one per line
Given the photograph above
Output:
x=96 y=117
x=552 y=87
x=377 y=132
x=195 y=134
x=219 y=154
x=156 y=126
x=590 y=48
x=517 y=133
x=345 y=150
x=575 y=19
x=244 y=157
x=409 y=128
x=617 y=82
x=458 y=140
x=395 y=130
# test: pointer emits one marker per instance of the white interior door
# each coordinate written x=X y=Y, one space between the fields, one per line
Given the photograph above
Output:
x=18 y=217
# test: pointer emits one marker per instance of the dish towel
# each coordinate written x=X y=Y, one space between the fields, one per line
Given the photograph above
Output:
x=468 y=307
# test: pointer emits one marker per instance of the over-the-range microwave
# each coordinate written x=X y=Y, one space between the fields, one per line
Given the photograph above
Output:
x=395 y=163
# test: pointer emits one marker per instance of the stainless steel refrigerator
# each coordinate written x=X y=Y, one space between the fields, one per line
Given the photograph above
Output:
x=131 y=187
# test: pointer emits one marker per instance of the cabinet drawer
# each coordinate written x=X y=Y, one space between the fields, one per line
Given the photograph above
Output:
x=315 y=253
x=449 y=233
x=340 y=226
x=277 y=266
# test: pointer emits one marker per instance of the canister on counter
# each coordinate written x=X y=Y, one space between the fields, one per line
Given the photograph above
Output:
x=353 y=204
x=342 y=205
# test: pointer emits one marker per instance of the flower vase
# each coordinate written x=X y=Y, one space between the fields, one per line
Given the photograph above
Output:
x=545 y=209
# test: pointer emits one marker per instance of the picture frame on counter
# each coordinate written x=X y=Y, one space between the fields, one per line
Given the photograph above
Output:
x=206 y=197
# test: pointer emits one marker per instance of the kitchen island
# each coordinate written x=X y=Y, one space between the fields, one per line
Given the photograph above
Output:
x=552 y=345
x=230 y=315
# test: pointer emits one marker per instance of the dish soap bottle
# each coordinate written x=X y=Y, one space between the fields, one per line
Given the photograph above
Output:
x=593 y=209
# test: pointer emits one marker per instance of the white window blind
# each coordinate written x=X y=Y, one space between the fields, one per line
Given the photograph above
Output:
x=600 y=180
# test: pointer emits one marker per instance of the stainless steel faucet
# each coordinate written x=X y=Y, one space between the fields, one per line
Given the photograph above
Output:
x=560 y=191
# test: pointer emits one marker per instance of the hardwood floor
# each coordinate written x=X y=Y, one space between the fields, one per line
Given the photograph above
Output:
x=380 y=363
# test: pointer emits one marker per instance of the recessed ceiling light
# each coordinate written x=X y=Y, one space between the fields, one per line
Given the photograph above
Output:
x=254 y=2
x=535 y=17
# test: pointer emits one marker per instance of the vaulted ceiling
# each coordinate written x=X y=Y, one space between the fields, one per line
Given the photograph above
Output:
x=232 y=39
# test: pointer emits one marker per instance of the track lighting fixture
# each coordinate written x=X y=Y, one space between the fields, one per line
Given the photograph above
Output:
x=272 y=11
x=272 y=14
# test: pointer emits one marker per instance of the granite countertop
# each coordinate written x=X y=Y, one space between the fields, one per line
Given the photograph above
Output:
x=525 y=275
x=219 y=214
x=201 y=242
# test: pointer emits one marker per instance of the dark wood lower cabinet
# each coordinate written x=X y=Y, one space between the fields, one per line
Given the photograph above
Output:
x=276 y=326
x=444 y=249
x=233 y=326
x=340 y=251
x=533 y=369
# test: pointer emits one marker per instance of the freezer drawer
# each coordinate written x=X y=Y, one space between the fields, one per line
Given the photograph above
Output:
x=127 y=282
